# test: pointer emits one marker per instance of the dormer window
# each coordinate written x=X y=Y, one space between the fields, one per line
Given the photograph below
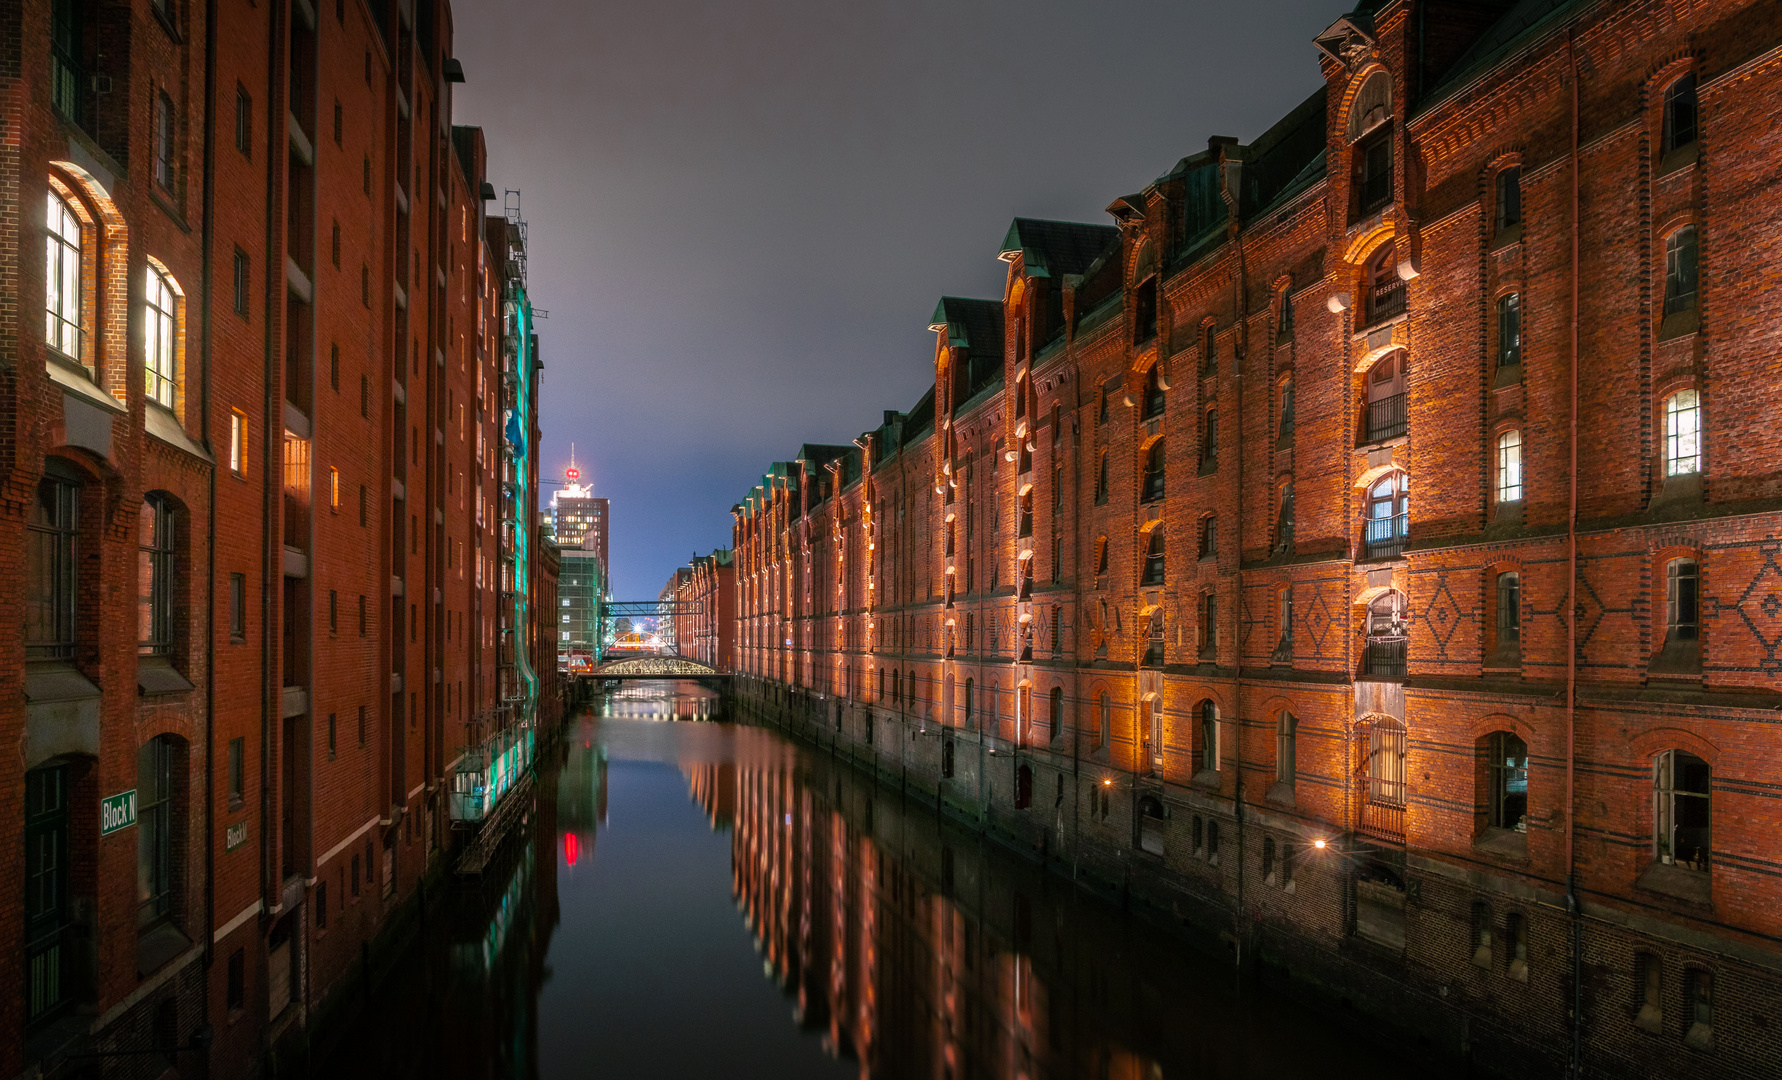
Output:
x=1679 y=113
x=1370 y=134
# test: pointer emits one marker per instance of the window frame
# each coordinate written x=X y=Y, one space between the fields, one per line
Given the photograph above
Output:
x=1681 y=114
x=1665 y=810
x=161 y=347
x=65 y=300
x=156 y=836
x=1509 y=487
x=157 y=554
x=1683 y=432
x=1682 y=270
x=60 y=532
x=1503 y=774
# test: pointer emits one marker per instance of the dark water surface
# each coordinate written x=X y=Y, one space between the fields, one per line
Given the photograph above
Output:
x=691 y=898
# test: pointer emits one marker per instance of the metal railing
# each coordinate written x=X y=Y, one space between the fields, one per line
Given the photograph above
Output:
x=1385 y=299
x=1385 y=537
x=1385 y=419
x=1383 y=660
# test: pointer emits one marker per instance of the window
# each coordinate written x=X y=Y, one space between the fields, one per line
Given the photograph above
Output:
x=1648 y=985
x=970 y=690
x=333 y=611
x=1209 y=737
x=1284 y=520
x=322 y=903
x=237 y=441
x=1386 y=398
x=1682 y=602
x=1286 y=429
x=1209 y=440
x=1268 y=860
x=1154 y=559
x=1506 y=765
x=1388 y=523
x=1682 y=793
x=1680 y=253
x=164 y=141
x=1284 y=626
x=1154 y=399
x=237 y=772
x=363 y=504
x=161 y=349
x=50 y=575
x=337 y=123
x=237 y=980
x=1209 y=625
x=244 y=121
x=1144 y=319
x=1154 y=471
x=1509 y=330
x=1373 y=161
x=1101 y=555
x=1384 y=656
x=237 y=607
x=1024 y=787
x=62 y=280
x=1386 y=290
x=1286 y=748
x=1509 y=198
x=1101 y=480
x=1698 y=999
x=1682 y=433
x=1508 y=646
x=154 y=583
x=66 y=49
x=334 y=249
x=241 y=283
x=1104 y=709
x=367 y=179
x=1026 y=512
x=1516 y=945
x=1284 y=321
x=1679 y=113
x=1384 y=781
x=155 y=834
x=48 y=909
x=1154 y=641
x=1209 y=350
x=1209 y=536
x=1150 y=733
x=1509 y=466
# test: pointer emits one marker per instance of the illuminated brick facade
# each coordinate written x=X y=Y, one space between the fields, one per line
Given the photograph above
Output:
x=260 y=486
x=1141 y=584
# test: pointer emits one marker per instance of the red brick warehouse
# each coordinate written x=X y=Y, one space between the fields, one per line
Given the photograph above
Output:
x=1141 y=584
x=273 y=582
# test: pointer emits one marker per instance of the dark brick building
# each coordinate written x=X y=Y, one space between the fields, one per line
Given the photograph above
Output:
x=1141 y=584
x=268 y=524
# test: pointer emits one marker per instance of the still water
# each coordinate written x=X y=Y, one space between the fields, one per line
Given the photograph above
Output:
x=693 y=898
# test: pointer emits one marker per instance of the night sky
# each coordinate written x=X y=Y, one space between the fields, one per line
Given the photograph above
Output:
x=742 y=213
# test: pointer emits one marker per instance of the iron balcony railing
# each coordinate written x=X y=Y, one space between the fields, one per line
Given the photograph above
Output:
x=1385 y=537
x=1385 y=299
x=1383 y=819
x=1383 y=660
x=1385 y=419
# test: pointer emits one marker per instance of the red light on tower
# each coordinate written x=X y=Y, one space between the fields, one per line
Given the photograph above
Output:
x=573 y=473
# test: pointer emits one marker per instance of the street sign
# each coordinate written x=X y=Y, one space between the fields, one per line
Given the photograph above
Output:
x=117 y=812
x=234 y=836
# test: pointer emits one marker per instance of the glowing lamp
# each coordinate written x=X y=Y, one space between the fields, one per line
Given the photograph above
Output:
x=1319 y=844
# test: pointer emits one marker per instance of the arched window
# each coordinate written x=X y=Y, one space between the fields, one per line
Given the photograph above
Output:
x=1386 y=416
x=1509 y=330
x=1209 y=536
x=1026 y=511
x=1284 y=314
x=968 y=701
x=63 y=282
x=1209 y=440
x=1682 y=810
x=1509 y=466
x=1105 y=720
x=1209 y=349
x=1384 y=657
x=1370 y=131
x=1286 y=748
x=1386 y=290
x=1154 y=400
x=1680 y=271
x=1384 y=789
x=1209 y=737
x=1506 y=766
x=1507 y=595
x=1682 y=433
x=158 y=770
x=1509 y=199
x=1150 y=734
x=51 y=574
x=1056 y=712
x=1285 y=435
x=1209 y=626
x=1682 y=605
x=1154 y=559
x=1679 y=114
x=1154 y=469
x=1388 y=523
x=155 y=583
x=1101 y=555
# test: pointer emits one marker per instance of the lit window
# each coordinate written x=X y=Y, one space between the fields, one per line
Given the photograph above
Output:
x=1682 y=433
x=1509 y=466
x=1682 y=797
x=237 y=441
x=1509 y=330
x=62 y=279
x=1507 y=765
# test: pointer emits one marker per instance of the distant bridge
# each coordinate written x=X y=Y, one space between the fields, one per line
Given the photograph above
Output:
x=654 y=667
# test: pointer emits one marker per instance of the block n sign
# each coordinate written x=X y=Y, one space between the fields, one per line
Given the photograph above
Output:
x=117 y=812
x=234 y=836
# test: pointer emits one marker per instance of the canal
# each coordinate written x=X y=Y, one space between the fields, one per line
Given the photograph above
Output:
x=690 y=897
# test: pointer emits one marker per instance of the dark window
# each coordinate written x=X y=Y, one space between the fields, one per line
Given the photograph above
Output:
x=1509 y=330
x=67 y=80
x=237 y=980
x=1209 y=536
x=1373 y=159
x=244 y=121
x=1154 y=559
x=1679 y=113
x=355 y=874
x=1154 y=473
x=1209 y=350
x=1286 y=431
x=334 y=361
x=321 y=905
x=237 y=775
x=1284 y=521
x=1509 y=615
x=1286 y=748
x=361 y=734
x=1104 y=723
x=241 y=283
x=1026 y=511
x=238 y=607
x=1024 y=787
x=367 y=174
x=1698 y=994
x=156 y=871
x=47 y=907
x=1284 y=324
x=1507 y=764
x=1101 y=480
x=1209 y=625
x=1680 y=270
x=155 y=586
x=333 y=611
x=365 y=285
x=1154 y=399
x=1683 y=600
x=1209 y=439
x=164 y=141
x=1144 y=316
x=1209 y=736
x=1509 y=197
x=50 y=584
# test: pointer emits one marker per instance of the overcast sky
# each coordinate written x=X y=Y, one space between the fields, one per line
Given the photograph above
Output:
x=743 y=211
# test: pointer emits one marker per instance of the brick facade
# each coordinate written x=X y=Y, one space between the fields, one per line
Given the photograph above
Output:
x=1467 y=260
x=301 y=653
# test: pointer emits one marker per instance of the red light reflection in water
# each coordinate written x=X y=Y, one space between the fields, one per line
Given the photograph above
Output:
x=572 y=847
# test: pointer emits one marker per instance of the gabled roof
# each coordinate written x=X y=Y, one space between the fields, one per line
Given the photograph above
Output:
x=973 y=325
x=1055 y=248
x=1522 y=21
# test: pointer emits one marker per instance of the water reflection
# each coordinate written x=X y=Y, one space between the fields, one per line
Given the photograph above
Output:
x=874 y=939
